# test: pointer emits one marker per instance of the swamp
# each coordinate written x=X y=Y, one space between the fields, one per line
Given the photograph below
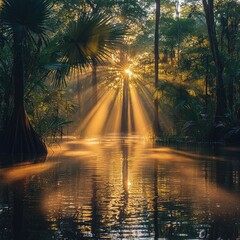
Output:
x=119 y=119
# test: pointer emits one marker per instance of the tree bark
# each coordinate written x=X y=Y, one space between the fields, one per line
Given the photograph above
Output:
x=156 y=126
x=20 y=138
x=79 y=88
x=221 y=102
x=125 y=104
x=94 y=81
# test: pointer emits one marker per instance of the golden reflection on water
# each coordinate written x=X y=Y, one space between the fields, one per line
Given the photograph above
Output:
x=114 y=184
x=19 y=172
x=124 y=188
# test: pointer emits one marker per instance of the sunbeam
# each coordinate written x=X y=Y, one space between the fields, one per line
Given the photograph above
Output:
x=124 y=106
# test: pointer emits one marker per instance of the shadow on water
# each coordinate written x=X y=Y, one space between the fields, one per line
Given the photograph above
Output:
x=14 y=176
x=220 y=167
x=223 y=161
x=123 y=188
x=8 y=161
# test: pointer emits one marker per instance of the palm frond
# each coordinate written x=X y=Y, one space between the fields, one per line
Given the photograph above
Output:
x=92 y=36
x=25 y=17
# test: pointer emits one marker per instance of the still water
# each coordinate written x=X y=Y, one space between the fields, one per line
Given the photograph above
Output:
x=123 y=188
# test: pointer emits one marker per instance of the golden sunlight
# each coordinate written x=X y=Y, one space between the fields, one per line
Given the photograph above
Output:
x=128 y=71
x=13 y=174
x=126 y=107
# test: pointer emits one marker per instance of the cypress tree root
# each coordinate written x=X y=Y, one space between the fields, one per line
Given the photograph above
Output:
x=20 y=139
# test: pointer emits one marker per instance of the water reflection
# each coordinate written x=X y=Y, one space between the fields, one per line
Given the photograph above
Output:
x=123 y=188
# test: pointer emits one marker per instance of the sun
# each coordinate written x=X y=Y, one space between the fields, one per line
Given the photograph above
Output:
x=128 y=71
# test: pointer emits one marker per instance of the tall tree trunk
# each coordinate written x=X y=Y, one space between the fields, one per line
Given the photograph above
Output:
x=156 y=126
x=94 y=81
x=178 y=31
x=206 y=85
x=221 y=104
x=95 y=9
x=125 y=104
x=231 y=33
x=20 y=137
x=79 y=96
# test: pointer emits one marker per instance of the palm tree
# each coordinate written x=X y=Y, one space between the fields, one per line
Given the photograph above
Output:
x=156 y=126
x=89 y=41
x=24 y=23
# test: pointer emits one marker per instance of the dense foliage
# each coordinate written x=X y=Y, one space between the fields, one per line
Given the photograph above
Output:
x=199 y=61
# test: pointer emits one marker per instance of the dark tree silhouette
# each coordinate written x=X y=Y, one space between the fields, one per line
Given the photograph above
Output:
x=23 y=22
x=156 y=125
x=221 y=104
